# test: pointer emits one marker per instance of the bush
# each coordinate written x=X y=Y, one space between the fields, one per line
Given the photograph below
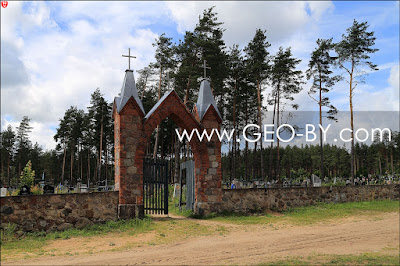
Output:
x=36 y=190
x=27 y=176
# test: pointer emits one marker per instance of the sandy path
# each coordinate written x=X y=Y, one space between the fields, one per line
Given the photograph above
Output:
x=260 y=244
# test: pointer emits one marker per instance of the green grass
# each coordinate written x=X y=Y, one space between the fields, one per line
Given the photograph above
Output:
x=362 y=259
x=173 y=205
x=313 y=214
x=33 y=242
x=168 y=230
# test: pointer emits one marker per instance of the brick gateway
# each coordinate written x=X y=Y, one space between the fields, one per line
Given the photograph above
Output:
x=133 y=128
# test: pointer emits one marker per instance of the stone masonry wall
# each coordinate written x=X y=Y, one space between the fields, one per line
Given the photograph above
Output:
x=62 y=211
x=58 y=211
x=279 y=199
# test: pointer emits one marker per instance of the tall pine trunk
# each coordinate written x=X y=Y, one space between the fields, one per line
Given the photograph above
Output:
x=260 y=124
x=8 y=169
x=272 y=142
x=72 y=165
x=88 y=170
x=246 y=161
x=233 y=170
x=63 y=166
x=100 y=150
x=277 y=146
x=391 y=159
x=320 y=133
x=352 y=125
x=157 y=128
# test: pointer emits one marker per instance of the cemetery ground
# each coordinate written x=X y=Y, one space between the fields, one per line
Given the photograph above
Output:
x=346 y=233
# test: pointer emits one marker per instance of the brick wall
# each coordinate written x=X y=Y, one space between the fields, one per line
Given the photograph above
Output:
x=58 y=211
x=279 y=199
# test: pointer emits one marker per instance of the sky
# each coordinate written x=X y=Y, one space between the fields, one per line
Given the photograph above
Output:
x=55 y=54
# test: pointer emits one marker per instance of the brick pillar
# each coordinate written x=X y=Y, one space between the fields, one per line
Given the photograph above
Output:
x=208 y=174
x=128 y=127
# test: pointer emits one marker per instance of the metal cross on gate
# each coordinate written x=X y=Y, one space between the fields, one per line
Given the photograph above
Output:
x=205 y=68
x=129 y=57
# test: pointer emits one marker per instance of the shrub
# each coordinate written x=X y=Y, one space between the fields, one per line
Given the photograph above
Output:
x=27 y=176
x=36 y=190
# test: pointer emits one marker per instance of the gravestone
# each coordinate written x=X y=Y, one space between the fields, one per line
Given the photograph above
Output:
x=84 y=188
x=25 y=190
x=316 y=180
x=3 y=192
x=177 y=190
x=48 y=189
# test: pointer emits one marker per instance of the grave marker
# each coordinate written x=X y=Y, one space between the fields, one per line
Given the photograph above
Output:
x=25 y=190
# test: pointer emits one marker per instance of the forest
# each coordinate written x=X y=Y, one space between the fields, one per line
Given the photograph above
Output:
x=242 y=81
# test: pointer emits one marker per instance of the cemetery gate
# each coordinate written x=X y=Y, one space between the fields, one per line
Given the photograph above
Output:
x=155 y=186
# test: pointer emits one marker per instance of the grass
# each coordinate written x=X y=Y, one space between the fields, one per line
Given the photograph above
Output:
x=173 y=205
x=167 y=230
x=34 y=242
x=313 y=214
x=362 y=259
x=164 y=230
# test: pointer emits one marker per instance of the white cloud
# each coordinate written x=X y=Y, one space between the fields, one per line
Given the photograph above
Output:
x=55 y=54
x=242 y=18
x=46 y=69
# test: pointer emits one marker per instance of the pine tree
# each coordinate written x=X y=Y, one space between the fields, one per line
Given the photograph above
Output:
x=353 y=51
x=323 y=81
x=7 y=148
x=164 y=58
x=258 y=66
x=100 y=118
x=70 y=135
x=145 y=76
x=233 y=111
x=23 y=143
x=210 y=46
x=286 y=81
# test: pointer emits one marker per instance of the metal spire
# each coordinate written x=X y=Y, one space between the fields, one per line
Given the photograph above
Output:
x=129 y=57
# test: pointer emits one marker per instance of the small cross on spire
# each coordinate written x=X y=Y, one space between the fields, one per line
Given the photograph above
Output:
x=129 y=57
x=205 y=68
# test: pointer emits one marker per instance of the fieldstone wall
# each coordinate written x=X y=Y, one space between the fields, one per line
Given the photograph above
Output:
x=279 y=199
x=58 y=211
x=62 y=211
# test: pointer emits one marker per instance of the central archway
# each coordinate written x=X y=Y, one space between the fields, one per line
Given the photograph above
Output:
x=133 y=130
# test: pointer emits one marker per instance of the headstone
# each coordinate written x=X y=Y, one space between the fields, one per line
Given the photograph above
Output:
x=48 y=189
x=316 y=180
x=177 y=190
x=3 y=192
x=78 y=187
x=84 y=188
x=25 y=190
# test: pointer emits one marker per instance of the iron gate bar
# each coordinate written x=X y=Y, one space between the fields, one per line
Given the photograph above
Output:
x=155 y=186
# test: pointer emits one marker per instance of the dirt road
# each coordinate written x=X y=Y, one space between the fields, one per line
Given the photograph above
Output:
x=253 y=244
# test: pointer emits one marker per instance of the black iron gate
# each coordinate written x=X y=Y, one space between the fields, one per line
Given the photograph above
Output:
x=155 y=186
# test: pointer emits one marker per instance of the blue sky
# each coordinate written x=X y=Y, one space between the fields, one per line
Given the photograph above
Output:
x=55 y=54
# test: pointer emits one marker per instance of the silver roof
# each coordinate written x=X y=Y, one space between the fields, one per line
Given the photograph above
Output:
x=205 y=99
x=128 y=90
